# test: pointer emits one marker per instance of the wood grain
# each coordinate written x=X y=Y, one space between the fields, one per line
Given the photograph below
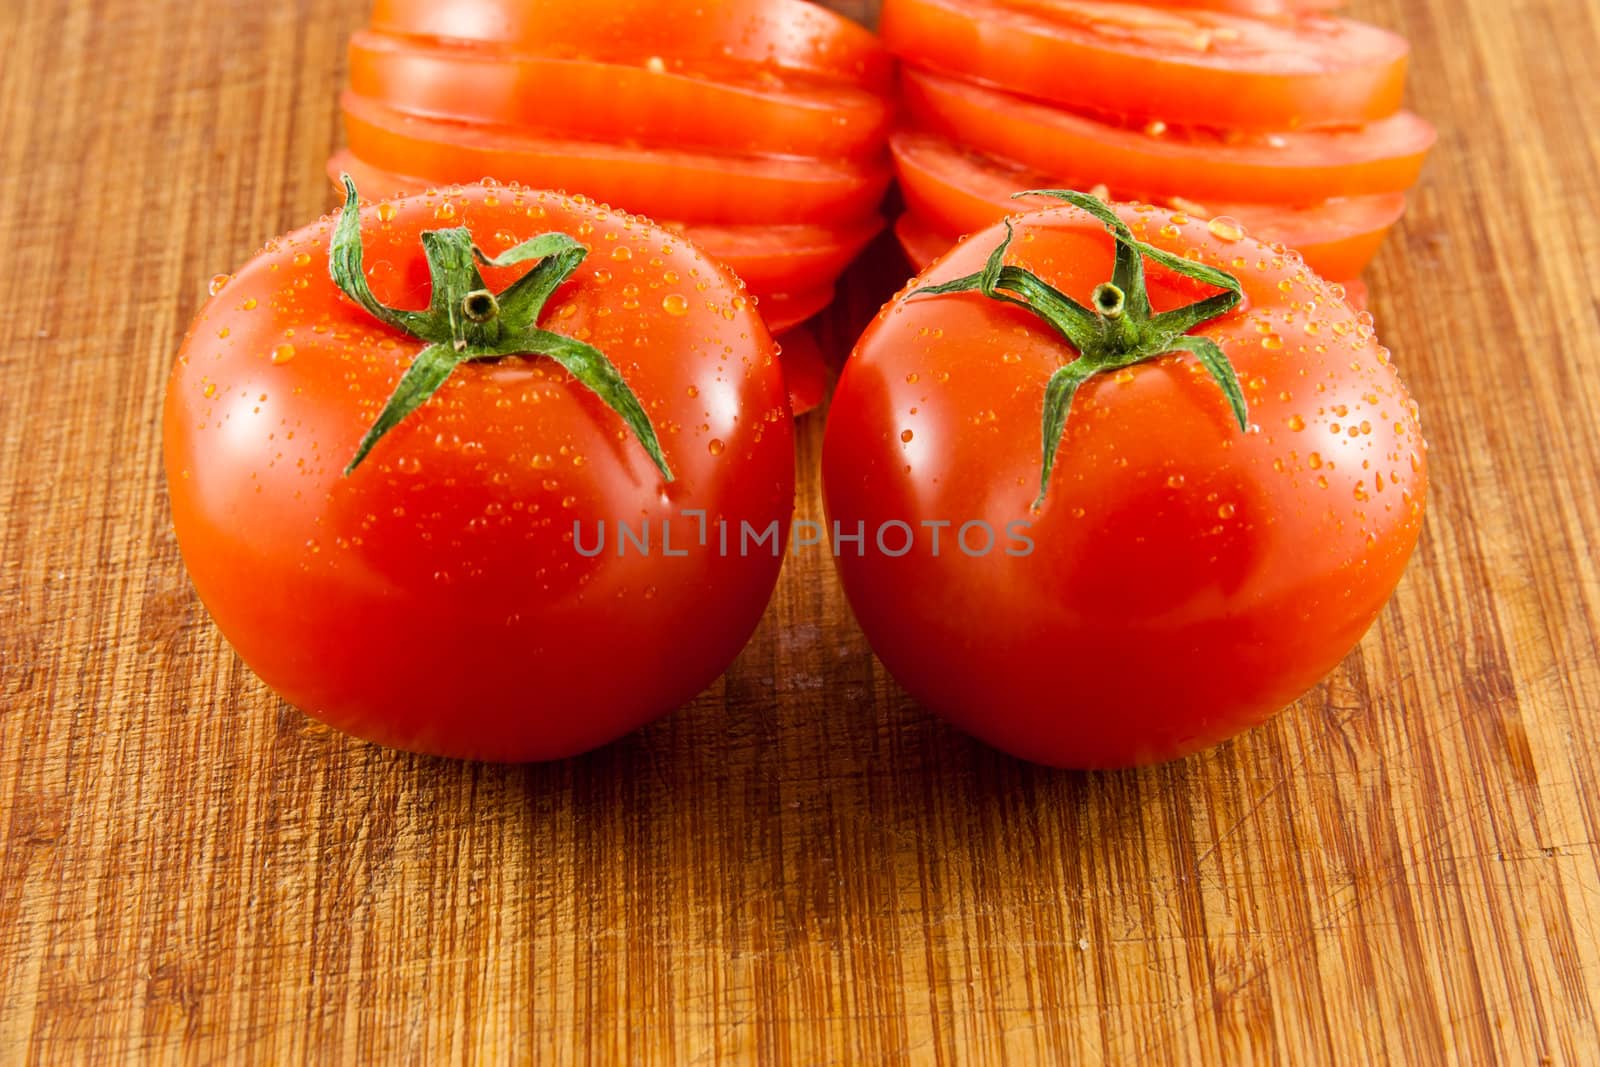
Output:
x=801 y=867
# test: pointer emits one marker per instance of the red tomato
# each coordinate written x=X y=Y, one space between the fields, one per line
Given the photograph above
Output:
x=804 y=371
x=1193 y=68
x=798 y=257
x=963 y=192
x=690 y=35
x=1288 y=168
x=434 y=599
x=756 y=112
x=703 y=187
x=1183 y=579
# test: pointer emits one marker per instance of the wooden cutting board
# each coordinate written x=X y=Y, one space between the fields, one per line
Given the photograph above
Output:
x=801 y=867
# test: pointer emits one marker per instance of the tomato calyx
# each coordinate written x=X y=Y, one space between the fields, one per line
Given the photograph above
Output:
x=1119 y=328
x=467 y=322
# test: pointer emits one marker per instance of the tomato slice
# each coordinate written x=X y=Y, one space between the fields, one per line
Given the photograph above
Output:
x=960 y=191
x=660 y=183
x=1255 y=8
x=1295 y=168
x=804 y=371
x=1195 y=68
x=777 y=34
x=784 y=311
x=771 y=259
x=922 y=242
x=760 y=114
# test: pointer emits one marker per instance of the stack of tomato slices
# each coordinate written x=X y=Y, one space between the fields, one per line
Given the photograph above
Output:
x=755 y=128
x=1269 y=116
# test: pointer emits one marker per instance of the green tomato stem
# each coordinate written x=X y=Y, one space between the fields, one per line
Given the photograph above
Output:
x=1118 y=329
x=467 y=322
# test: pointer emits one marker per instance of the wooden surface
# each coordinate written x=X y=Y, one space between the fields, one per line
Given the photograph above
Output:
x=801 y=867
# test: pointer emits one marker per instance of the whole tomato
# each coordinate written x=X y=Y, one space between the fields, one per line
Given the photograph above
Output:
x=391 y=457
x=1097 y=531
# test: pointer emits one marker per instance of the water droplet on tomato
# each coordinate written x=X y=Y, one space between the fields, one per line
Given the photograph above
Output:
x=1296 y=423
x=1225 y=511
x=906 y=436
x=716 y=446
x=210 y=390
x=282 y=354
x=675 y=304
x=249 y=304
x=218 y=282
x=387 y=212
x=1226 y=228
x=445 y=210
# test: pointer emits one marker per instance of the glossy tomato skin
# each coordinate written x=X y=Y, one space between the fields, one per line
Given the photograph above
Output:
x=435 y=599
x=1186 y=580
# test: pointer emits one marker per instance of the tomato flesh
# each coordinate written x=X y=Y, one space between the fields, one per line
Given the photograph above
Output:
x=789 y=35
x=755 y=113
x=660 y=183
x=1187 y=580
x=1195 y=68
x=922 y=242
x=1290 y=168
x=785 y=311
x=434 y=600
x=959 y=192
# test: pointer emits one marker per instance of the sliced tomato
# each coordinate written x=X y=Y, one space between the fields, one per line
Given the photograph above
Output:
x=660 y=183
x=784 y=259
x=961 y=192
x=761 y=113
x=778 y=34
x=1194 y=68
x=785 y=311
x=1256 y=8
x=1293 y=168
x=922 y=242
x=804 y=371
x=771 y=259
